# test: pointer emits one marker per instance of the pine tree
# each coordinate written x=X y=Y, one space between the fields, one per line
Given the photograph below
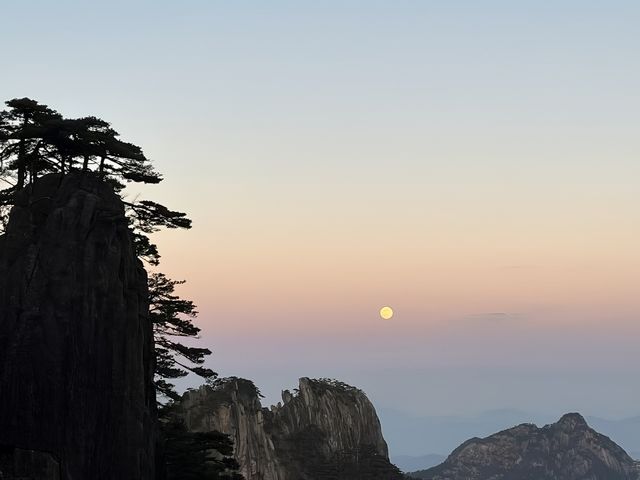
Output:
x=35 y=140
x=22 y=132
x=171 y=317
x=195 y=455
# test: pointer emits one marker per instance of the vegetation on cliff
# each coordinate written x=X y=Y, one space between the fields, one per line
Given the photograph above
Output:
x=334 y=385
x=36 y=141
x=196 y=455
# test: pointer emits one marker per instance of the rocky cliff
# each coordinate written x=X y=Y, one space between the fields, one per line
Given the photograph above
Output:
x=76 y=347
x=566 y=450
x=325 y=430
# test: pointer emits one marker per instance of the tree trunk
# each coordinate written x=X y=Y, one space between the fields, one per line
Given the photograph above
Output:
x=22 y=154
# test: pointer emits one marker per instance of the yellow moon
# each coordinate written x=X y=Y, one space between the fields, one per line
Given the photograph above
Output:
x=386 y=313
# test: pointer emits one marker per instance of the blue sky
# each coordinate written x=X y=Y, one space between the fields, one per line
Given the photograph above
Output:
x=452 y=159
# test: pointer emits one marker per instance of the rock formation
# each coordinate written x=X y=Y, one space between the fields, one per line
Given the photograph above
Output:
x=326 y=430
x=566 y=450
x=76 y=346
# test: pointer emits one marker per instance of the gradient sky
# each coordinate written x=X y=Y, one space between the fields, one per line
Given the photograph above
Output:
x=473 y=164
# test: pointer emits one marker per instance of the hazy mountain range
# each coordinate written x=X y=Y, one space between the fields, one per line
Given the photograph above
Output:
x=421 y=442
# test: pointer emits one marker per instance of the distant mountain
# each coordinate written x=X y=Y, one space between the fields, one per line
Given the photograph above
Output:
x=566 y=450
x=412 y=435
x=408 y=463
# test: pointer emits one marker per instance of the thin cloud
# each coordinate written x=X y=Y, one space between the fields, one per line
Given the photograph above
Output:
x=496 y=316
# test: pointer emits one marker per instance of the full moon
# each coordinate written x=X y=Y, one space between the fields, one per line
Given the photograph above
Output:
x=386 y=313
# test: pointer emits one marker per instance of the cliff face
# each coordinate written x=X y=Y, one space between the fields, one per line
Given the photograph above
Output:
x=76 y=345
x=327 y=430
x=566 y=450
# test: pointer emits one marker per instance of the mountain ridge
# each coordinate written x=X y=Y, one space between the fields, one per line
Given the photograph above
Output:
x=566 y=450
x=324 y=430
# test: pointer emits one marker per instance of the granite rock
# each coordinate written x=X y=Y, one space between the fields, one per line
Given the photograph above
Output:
x=76 y=343
x=325 y=430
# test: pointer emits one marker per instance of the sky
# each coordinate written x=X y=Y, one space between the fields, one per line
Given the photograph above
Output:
x=473 y=164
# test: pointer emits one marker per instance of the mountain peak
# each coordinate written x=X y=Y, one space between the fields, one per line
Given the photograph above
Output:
x=567 y=450
x=325 y=429
x=573 y=421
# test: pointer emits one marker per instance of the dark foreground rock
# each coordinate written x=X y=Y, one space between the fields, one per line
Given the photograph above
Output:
x=76 y=346
x=16 y=463
x=325 y=431
x=566 y=450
